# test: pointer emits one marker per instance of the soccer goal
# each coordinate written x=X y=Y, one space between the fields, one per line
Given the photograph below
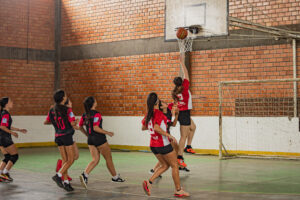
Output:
x=259 y=118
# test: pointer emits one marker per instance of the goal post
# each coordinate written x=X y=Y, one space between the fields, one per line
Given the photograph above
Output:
x=259 y=117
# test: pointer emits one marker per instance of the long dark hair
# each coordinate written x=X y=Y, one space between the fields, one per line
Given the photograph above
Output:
x=151 y=102
x=169 y=124
x=178 y=88
x=58 y=108
x=3 y=102
x=88 y=104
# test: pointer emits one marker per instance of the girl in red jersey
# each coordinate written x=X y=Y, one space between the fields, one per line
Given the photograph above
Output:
x=168 y=110
x=61 y=162
x=97 y=142
x=156 y=123
x=63 y=120
x=182 y=95
x=8 y=148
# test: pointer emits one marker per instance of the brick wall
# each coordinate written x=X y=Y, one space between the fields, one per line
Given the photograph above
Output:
x=29 y=85
x=122 y=83
x=14 y=21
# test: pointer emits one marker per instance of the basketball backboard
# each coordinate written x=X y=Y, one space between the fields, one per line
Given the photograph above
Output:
x=212 y=15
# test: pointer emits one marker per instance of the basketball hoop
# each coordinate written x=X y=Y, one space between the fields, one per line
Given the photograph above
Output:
x=186 y=44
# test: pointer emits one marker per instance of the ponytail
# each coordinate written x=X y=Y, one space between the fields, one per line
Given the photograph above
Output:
x=58 y=97
x=88 y=104
x=178 y=88
x=151 y=102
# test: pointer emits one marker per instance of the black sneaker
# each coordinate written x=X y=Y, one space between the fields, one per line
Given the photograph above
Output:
x=151 y=171
x=184 y=169
x=68 y=187
x=83 y=180
x=119 y=179
x=58 y=181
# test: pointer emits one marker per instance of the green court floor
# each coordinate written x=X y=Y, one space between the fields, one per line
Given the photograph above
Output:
x=209 y=178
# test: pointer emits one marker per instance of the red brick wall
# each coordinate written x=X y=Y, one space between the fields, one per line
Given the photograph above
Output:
x=29 y=85
x=121 y=84
x=270 y=12
x=86 y=22
x=13 y=20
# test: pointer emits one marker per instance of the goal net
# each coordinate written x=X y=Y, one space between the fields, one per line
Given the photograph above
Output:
x=259 y=117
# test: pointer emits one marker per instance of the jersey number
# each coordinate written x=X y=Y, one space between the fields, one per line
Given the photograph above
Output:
x=60 y=123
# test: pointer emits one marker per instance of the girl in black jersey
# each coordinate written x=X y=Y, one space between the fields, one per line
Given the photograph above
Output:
x=8 y=148
x=97 y=142
x=61 y=162
x=63 y=120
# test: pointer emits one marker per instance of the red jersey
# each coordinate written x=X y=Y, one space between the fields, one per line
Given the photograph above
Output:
x=157 y=140
x=185 y=98
x=95 y=120
x=6 y=121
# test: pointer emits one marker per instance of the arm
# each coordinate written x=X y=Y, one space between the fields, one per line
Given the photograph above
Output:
x=183 y=67
x=46 y=122
x=144 y=128
x=102 y=131
x=17 y=129
x=162 y=132
x=4 y=128
x=175 y=120
x=83 y=131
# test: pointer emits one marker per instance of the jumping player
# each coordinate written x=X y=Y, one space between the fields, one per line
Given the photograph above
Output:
x=97 y=142
x=156 y=123
x=63 y=120
x=8 y=147
x=182 y=95
x=76 y=152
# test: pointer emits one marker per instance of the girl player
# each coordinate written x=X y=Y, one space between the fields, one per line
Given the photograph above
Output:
x=97 y=142
x=182 y=95
x=8 y=147
x=169 y=111
x=63 y=120
x=156 y=123
x=75 y=148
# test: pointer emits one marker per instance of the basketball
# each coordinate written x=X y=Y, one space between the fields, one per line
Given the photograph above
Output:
x=181 y=33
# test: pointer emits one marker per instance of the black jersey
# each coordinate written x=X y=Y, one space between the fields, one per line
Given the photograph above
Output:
x=6 y=121
x=62 y=127
x=95 y=120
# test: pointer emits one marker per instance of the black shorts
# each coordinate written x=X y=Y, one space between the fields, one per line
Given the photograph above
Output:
x=6 y=141
x=65 y=140
x=162 y=150
x=96 y=140
x=184 y=117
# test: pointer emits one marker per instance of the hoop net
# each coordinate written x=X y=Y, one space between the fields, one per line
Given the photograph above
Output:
x=185 y=45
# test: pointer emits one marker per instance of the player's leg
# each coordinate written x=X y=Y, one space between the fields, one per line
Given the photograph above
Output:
x=188 y=148
x=13 y=157
x=184 y=132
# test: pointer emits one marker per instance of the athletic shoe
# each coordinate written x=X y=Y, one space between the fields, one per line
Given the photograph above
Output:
x=152 y=172
x=181 y=193
x=189 y=150
x=181 y=163
x=6 y=177
x=119 y=179
x=58 y=181
x=183 y=169
x=147 y=187
x=68 y=187
x=83 y=180
x=58 y=165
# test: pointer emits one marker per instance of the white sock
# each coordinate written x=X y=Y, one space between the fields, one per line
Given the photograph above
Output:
x=86 y=175
x=5 y=171
x=66 y=181
x=59 y=174
x=116 y=177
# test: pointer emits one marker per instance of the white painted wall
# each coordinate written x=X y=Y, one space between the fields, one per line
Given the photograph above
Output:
x=276 y=134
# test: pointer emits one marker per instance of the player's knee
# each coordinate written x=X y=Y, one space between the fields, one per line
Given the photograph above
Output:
x=14 y=158
x=6 y=158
